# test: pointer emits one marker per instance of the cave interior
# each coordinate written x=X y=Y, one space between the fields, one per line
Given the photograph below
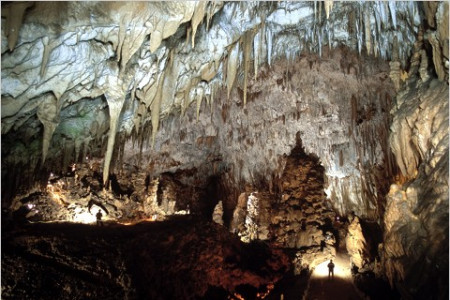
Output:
x=225 y=150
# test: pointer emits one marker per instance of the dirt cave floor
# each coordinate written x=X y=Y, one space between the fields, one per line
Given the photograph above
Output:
x=181 y=258
x=184 y=257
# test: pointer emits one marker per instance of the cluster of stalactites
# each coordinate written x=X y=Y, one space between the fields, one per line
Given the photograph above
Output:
x=168 y=84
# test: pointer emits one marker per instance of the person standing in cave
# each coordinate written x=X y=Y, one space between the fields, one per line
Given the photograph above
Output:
x=99 y=216
x=331 y=269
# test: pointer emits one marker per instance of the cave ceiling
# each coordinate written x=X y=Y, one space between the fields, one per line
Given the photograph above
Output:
x=113 y=80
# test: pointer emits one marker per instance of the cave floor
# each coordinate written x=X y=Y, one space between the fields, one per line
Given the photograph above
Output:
x=181 y=258
x=321 y=287
x=178 y=259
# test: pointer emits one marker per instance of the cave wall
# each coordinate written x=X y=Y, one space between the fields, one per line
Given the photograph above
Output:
x=416 y=219
x=72 y=80
x=415 y=243
x=339 y=108
x=364 y=86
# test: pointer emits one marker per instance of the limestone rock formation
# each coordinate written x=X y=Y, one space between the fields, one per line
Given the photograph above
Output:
x=416 y=219
x=88 y=52
x=287 y=115
x=356 y=243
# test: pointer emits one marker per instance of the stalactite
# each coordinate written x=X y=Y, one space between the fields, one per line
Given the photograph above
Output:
x=67 y=155
x=140 y=112
x=328 y=7
x=115 y=96
x=48 y=113
x=248 y=41
x=197 y=18
x=437 y=55
x=213 y=94
x=199 y=94
x=256 y=52
x=376 y=14
x=45 y=56
x=358 y=33
x=156 y=108
x=131 y=42
x=121 y=38
x=233 y=59
x=367 y=31
x=185 y=101
x=354 y=111
x=188 y=36
x=85 y=150
x=430 y=8
x=269 y=45
x=78 y=143
x=209 y=14
x=320 y=11
x=14 y=17
x=315 y=10
x=393 y=13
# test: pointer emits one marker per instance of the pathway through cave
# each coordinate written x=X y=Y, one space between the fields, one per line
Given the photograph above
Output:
x=320 y=287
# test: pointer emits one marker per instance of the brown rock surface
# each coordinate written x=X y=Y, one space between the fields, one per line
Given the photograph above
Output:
x=181 y=258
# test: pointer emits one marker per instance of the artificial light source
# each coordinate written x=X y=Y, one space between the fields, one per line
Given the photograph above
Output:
x=84 y=217
x=341 y=269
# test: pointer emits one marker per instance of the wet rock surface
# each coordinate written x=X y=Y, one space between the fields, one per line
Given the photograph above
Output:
x=181 y=258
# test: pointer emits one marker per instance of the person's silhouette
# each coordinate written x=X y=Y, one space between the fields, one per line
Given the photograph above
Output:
x=99 y=218
x=331 y=269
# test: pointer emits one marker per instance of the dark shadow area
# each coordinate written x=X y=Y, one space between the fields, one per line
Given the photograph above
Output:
x=184 y=257
x=328 y=226
x=291 y=286
x=375 y=288
x=373 y=234
x=119 y=189
x=334 y=288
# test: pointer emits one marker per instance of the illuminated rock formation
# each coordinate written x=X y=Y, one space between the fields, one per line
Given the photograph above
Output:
x=288 y=114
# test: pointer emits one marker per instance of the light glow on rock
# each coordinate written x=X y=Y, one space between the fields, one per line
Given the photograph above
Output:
x=84 y=217
x=341 y=269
